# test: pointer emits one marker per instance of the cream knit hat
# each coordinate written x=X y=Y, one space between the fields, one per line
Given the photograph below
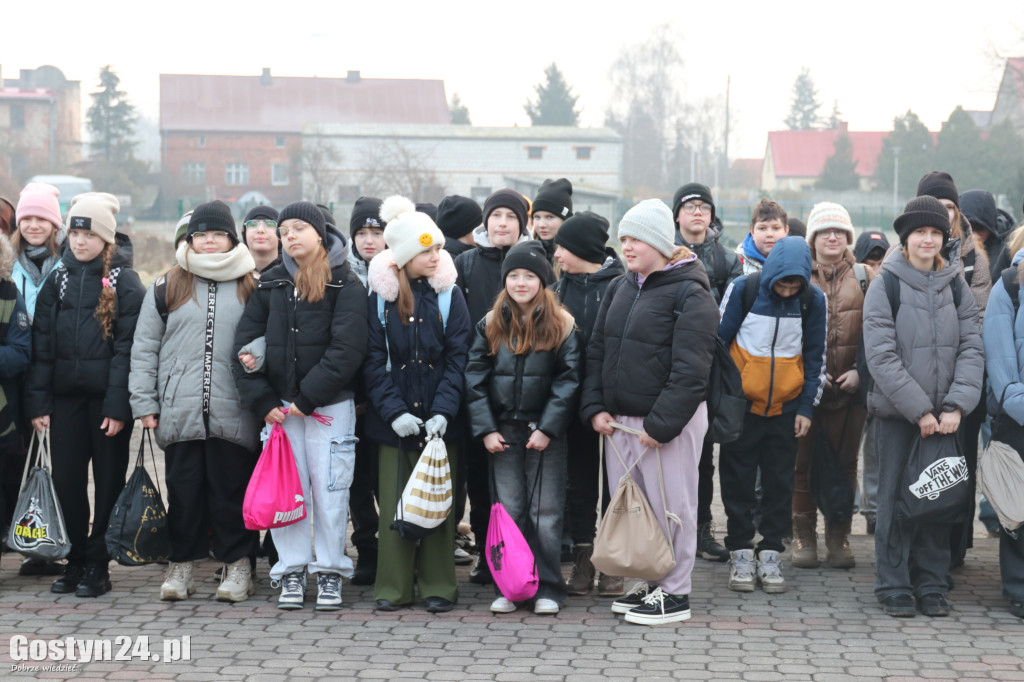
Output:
x=408 y=231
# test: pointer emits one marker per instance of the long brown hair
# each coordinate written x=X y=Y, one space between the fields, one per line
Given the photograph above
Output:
x=106 y=308
x=181 y=286
x=311 y=279
x=541 y=329
x=406 y=302
x=51 y=242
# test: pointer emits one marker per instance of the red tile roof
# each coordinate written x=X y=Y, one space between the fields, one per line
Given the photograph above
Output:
x=802 y=153
x=245 y=104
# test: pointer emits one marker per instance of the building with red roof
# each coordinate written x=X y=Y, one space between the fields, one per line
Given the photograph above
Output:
x=794 y=159
x=224 y=136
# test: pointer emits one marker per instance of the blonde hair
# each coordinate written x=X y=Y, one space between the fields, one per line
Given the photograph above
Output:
x=311 y=279
x=540 y=329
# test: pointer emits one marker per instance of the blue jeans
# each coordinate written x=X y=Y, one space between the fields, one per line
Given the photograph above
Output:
x=536 y=505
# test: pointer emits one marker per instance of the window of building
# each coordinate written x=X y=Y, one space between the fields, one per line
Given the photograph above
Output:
x=279 y=142
x=479 y=194
x=583 y=153
x=17 y=116
x=535 y=152
x=279 y=173
x=202 y=140
x=236 y=174
x=193 y=173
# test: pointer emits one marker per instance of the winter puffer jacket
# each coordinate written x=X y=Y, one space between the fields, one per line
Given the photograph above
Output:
x=648 y=357
x=167 y=369
x=581 y=294
x=1003 y=335
x=479 y=272
x=845 y=300
x=428 y=359
x=539 y=386
x=979 y=207
x=721 y=264
x=314 y=350
x=15 y=348
x=929 y=359
x=69 y=353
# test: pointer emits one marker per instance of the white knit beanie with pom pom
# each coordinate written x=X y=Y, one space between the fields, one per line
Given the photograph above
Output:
x=408 y=231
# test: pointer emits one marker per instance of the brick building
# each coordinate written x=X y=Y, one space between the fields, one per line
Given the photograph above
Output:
x=794 y=159
x=225 y=136
x=40 y=123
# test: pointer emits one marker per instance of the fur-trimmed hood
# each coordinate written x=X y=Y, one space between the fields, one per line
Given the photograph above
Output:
x=6 y=257
x=381 y=277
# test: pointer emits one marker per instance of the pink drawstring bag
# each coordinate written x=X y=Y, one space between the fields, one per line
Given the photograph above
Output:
x=274 y=496
x=510 y=557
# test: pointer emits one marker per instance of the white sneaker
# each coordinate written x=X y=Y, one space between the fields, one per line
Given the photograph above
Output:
x=544 y=607
x=178 y=584
x=328 y=596
x=741 y=575
x=632 y=599
x=502 y=605
x=769 y=572
x=293 y=590
x=236 y=582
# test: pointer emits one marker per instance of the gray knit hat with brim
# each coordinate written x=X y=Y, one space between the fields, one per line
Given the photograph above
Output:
x=650 y=221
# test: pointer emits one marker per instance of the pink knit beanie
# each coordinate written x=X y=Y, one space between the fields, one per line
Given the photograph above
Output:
x=40 y=200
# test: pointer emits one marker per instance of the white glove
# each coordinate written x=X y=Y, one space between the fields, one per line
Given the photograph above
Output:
x=436 y=426
x=406 y=425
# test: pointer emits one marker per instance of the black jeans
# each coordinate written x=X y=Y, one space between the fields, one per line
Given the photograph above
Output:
x=583 y=445
x=206 y=482
x=706 y=481
x=767 y=443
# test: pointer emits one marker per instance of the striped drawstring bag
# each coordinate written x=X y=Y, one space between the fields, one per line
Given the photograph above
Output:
x=426 y=500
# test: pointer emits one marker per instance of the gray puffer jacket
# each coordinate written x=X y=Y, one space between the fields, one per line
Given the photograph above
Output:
x=930 y=359
x=167 y=370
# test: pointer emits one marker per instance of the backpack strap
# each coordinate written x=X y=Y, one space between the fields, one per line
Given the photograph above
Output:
x=1010 y=283
x=719 y=268
x=160 y=297
x=750 y=287
x=62 y=281
x=968 y=262
x=861 y=273
x=892 y=291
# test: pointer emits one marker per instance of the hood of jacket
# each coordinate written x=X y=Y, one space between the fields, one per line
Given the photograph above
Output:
x=748 y=250
x=979 y=207
x=338 y=247
x=382 y=278
x=483 y=240
x=358 y=265
x=789 y=257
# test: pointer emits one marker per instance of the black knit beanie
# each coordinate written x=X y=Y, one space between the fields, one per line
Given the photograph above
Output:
x=429 y=209
x=458 y=216
x=530 y=255
x=213 y=216
x=366 y=213
x=510 y=199
x=938 y=184
x=585 y=235
x=692 y=190
x=308 y=211
x=926 y=211
x=555 y=197
x=259 y=213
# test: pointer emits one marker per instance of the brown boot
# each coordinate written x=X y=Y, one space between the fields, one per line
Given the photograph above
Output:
x=581 y=580
x=837 y=542
x=610 y=585
x=803 y=553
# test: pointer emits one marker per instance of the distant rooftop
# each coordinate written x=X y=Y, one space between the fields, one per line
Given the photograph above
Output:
x=802 y=153
x=463 y=131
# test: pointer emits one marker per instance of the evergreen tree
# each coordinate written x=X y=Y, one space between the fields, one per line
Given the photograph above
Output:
x=111 y=121
x=916 y=154
x=803 y=108
x=459 y=112
x=555 y=104
x=959 y=151
x=840 y=171
x=1002 y=163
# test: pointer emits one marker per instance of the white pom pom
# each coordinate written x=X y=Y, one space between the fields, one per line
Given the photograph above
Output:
x=394 y=206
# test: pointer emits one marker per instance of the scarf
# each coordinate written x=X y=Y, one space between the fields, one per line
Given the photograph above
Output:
x=35 y=273
x=217 y=267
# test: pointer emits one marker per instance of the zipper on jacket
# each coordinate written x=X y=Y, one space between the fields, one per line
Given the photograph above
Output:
x=771 y=376
x=517 y=391
x=625 y=327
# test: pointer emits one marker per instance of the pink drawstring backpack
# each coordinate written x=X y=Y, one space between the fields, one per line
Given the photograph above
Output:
x=509 y=556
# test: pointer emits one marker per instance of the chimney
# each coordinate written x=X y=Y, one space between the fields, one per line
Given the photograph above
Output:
x=353 y=77
x=265 y=78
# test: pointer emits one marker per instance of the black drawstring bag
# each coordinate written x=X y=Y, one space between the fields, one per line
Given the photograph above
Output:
x=934 y=483
x=830 y=490
x=138 y=532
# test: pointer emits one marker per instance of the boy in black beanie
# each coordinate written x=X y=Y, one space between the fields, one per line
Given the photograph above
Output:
x=551 y=208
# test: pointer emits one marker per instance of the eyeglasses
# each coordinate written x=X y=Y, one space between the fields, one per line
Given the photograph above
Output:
x=298 y=227
x=257 y=224
x=691 y=207
x=832 y=232
x=203 y=236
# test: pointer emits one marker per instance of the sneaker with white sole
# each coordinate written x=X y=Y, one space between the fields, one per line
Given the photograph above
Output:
x=632 y=599
x=328 y=592
x=293 y=590
x=769 y=572
x=741 y=573
x=462 y=557
x=178 y=585
x=236 y=582
x=660 y=608
x=545 y=607
x=502 y=605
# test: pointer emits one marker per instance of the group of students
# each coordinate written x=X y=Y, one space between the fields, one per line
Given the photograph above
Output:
x=519 y=337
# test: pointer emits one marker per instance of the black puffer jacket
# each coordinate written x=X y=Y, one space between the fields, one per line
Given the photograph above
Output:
x=314 y=350
x=479 y=272
x=69 y=353
x=541 y=387
x=721 y=264
x=582 y=294
x=643 y=359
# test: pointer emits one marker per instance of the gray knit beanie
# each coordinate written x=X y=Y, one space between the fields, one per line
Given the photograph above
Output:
x=650 y=221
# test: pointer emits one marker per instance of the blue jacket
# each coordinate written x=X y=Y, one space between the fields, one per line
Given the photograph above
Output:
x=781 y=356
x=28 y=289
x=1003 y=334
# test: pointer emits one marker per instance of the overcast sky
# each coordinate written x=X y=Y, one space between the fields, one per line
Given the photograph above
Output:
x=878 y=59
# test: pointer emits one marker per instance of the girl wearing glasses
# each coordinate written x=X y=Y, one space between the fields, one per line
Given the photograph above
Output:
x=259 y=234
x=311 y=309
x=210 y=452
